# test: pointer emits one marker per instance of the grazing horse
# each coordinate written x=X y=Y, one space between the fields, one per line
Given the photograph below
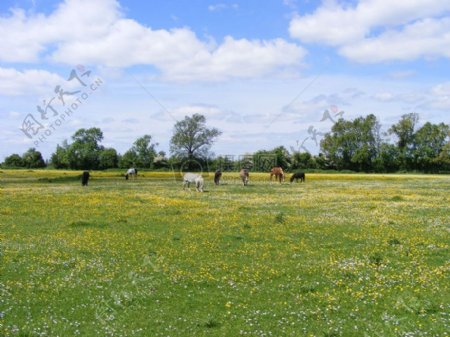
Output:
x=85 y=178
x=278 y=173
x=297 y=176
x=244 y=176
x=131 y=172
x=189 y=178
x=217 y=176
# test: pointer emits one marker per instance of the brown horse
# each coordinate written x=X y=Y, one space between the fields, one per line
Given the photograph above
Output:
x=217 y=176
x=244 y=176
x=278 y=173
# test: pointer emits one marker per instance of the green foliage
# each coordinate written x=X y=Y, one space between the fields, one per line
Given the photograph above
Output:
x=33 y=159
x=303 y=160
x=60 y=159
x=191 y=138
x=13 y=160
x=404 y=130
x=353 y=145
x=429 y=141
x=108 y=158
x=143 y=152
x=30 y=159
x=128 y=159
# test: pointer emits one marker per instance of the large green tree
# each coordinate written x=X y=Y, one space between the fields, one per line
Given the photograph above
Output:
x=145 y=151
x=142 y=154
x=192 y=139
x=265 y=160
x=83 y=153
x=108 y=158
x=429 y=141
x=13 y=160
x=60 y=158
x=353 y=144
x=33 y=159
x=404 y=130
x=85 y=150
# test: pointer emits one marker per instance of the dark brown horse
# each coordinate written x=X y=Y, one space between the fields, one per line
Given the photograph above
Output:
x=297 y=176
x=85 y=178
x=217 y=176
x=244 y=176
x=278 y=173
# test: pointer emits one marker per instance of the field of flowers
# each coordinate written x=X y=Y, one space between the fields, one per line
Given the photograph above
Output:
x=340 y=255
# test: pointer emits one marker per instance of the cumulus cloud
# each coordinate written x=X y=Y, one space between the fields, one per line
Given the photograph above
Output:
x=378 y=30
x=32 y=81
x=97 y=33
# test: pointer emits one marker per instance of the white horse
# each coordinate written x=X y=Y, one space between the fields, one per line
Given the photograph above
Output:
x=131 y=172
x=189 y=178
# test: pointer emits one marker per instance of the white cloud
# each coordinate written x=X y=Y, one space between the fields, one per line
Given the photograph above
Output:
x=425 y=38
x=14 y=82
x=440 y=97
x=379 y=30
x=96 y=33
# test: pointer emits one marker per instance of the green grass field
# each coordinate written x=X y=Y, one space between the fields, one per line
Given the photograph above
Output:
x=340 y=255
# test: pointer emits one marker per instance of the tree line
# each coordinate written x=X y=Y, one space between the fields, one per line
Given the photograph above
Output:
x=355 y=145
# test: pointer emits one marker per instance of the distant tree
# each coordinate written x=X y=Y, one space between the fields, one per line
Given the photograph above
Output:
x=388 y=159
x=128 y=159
x=84 y=152
x=108 y=158
x=145 y=151
x=443 y=160
x=353 y=144
x=303 y=160
x=13 y=160
x=160 y=161
x=404 y=131
x=323 y=162
x=192 y=139
x=429 y=141
x=264 y=160
x=33 y=159
x=282 y=157
x=60 y=159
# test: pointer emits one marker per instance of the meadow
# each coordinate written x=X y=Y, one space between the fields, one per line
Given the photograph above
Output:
x=339 y=255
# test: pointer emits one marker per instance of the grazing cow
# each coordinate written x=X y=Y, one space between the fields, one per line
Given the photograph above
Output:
x=297 y=176
x=244 y=176
x=189 y=178
x=217 y=176
x=131 y=172
x=85 y=178
x=278 y=173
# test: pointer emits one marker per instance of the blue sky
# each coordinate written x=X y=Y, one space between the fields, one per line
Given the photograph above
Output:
x=262 y=72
